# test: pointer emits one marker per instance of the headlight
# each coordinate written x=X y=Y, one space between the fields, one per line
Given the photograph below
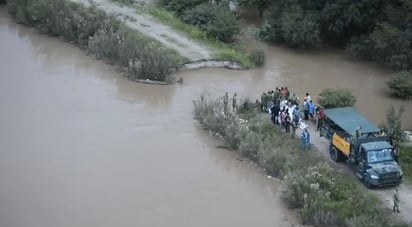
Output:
x=374 y=176
x=400 y=173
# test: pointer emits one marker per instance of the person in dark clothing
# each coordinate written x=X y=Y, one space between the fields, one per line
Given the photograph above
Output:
x=396 y=151
x=275 y=112
x=287 y=122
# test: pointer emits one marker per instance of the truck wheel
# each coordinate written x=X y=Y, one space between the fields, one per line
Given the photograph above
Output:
x=335 y=154
x=366 y=181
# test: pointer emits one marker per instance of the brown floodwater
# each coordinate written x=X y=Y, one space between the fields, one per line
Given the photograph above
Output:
x=80 y=145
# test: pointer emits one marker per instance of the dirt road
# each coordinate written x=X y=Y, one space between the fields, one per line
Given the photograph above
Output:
x=384 y=194
x=150 y=26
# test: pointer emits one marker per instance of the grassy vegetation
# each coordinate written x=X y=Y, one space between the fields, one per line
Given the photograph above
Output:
x=405 y=159
x=101 y=34
x=321 y=195
x=224 y=51
x=125 y=2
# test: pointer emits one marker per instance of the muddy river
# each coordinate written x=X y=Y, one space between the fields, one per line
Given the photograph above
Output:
x=82 y=146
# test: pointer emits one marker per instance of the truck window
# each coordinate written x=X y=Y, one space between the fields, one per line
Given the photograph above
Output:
x=376 y=156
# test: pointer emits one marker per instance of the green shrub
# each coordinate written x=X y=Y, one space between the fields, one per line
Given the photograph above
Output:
x=393 y=124
x=331 y=98
x=102 y=34
x=125 y=2
x=246 y=133
x=401 y=85
x=216 y=19
x=405 y=159
x=179 y=6
x=257 y=56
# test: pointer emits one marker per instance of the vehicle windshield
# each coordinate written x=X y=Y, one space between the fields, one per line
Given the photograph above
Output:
x=379 y=156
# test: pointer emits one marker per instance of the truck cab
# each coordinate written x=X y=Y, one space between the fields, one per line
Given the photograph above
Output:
x=374 y=164
x=370 y=155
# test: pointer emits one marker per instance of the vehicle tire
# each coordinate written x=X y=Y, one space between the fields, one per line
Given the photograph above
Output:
x=366 y=181
x=335 y=154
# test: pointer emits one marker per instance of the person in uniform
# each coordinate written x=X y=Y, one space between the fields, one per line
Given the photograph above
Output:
x=262 y=102
x=357 y=132
x=396 y=151
x=226 y=103
x=396 y=201
x=234 y=103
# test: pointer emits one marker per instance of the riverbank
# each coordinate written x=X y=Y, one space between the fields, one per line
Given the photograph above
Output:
x=321 y=195
x=101 y=34
x=137 y=18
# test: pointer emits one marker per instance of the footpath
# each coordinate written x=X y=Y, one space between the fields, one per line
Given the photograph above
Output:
x=384 y=194
x=149 y=26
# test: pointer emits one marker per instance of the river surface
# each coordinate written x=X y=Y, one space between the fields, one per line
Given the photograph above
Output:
x=82 y=146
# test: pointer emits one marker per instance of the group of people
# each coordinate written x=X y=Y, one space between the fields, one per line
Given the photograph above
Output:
x=285 y=110
x=226 y=103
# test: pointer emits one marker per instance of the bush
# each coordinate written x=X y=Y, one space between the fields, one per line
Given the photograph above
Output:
x=401 y=85
x=179 y=6
x=405 y=159
x=393 y=125
x=247 y=133
x=101 y=34
x=216 y=19
x=332 y=98
x=258 y=57
x=125 y=2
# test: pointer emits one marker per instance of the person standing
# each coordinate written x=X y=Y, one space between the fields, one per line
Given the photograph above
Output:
x=283 y=118
x=275 y=112
x=296 y=115
x=305 y=139
x=287 y=122
x=234 y=103
x=357 y=132
x=225 y=103
x=307 y=97
x=312 y=110
x=262 y=101
x=320 y=117
x=396 y=201
x=306 y=106
x=396 y=151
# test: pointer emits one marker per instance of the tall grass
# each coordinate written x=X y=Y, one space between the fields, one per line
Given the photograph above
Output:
x=322 y=196
x=405 y=159
x=101 y=34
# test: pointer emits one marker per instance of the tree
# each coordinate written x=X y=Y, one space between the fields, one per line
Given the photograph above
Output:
x=331 y=98
x=393 y=125
x=260 y=5
x=300 y=30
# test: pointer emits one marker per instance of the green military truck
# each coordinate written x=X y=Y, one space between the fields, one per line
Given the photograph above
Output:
x=364 y=149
